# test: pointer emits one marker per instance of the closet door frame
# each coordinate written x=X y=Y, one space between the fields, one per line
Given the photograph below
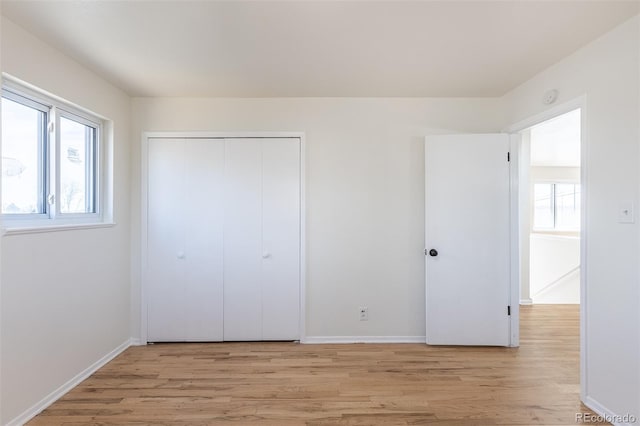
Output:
x=144 y=212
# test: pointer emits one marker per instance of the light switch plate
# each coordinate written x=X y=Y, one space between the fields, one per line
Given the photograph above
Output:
x=625 y=212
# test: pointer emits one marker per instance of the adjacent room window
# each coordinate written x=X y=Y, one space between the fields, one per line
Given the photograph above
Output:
x=50 y=160
x=556 y=206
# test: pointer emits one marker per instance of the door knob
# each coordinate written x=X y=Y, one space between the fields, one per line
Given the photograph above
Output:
x=266 y=255
x=433 y=252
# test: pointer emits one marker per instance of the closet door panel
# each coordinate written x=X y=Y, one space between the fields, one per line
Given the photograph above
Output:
x=202 y=215
x=223 y=239
x=281 y=239
x=166 y=268
x=242 y=240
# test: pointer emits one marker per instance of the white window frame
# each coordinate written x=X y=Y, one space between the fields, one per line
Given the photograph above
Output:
x=555 y=228
x=43 y=188
x=53 y=218
x=94 y=190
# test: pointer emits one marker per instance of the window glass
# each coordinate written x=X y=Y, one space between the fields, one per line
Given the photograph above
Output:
x=23 y=136
x=543 y=206
x=77 y=159
x=556 y=206
x=567 y=206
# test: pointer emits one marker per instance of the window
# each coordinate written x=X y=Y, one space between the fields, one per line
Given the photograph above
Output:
x=24 y=136
x=556 y=206
x=50 y=160
x=77 y=165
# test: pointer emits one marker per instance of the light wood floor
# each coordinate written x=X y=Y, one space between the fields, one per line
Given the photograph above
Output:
x=363 y=384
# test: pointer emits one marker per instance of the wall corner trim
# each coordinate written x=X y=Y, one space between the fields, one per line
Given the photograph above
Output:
x=362 y=339
x=40 y=406
x=606 y=413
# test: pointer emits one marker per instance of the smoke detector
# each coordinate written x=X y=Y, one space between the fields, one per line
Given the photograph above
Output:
x=550 y=96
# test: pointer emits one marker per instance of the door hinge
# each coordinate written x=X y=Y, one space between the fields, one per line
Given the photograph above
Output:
x=508 y=310
x=508 y=156
x=425 y=252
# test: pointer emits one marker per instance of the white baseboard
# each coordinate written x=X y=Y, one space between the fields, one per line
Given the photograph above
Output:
x=75 y=381
x=136 y=342
x=526 y=301
x=608 y=415
x=362 y=339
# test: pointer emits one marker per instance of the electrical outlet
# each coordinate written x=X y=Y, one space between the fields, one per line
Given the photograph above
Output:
x=364 y=313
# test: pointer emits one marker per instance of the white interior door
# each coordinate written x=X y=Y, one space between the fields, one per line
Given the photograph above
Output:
x=280 y=239
x=223 y=239
x=184 y=225
x=165 y=241
x=262 y=239
x=204 y=193
x=243 y=240
x=467 y=215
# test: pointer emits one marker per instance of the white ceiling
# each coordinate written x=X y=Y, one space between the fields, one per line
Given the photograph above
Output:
x=556 y=142
x=317 y=48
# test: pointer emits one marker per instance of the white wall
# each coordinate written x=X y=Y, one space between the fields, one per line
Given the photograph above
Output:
x=607 y=72
x=365 y=195
x=555 y=268
x=554 y=257
x=65 y=295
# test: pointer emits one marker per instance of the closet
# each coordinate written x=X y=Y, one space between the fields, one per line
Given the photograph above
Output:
x=223 y=239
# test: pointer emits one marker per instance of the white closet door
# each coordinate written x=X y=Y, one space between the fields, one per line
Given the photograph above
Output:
x=186 y=179
x=166 y=271
x=203 y=218
x=242 y=240
x=262 y=239
x=223 y=239
x=280 y=239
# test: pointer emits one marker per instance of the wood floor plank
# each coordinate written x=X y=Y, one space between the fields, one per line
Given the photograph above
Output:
x=361 y=384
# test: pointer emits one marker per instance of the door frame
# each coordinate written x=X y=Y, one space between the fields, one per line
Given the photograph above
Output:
x=144 y=211
x=563 y=108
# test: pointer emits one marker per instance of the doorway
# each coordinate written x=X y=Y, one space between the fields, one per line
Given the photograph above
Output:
x=550 y=188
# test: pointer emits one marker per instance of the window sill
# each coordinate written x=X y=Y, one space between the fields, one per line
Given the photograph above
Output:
x=7 y=231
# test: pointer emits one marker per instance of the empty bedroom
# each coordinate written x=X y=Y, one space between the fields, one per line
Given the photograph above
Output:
x=319 y=212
